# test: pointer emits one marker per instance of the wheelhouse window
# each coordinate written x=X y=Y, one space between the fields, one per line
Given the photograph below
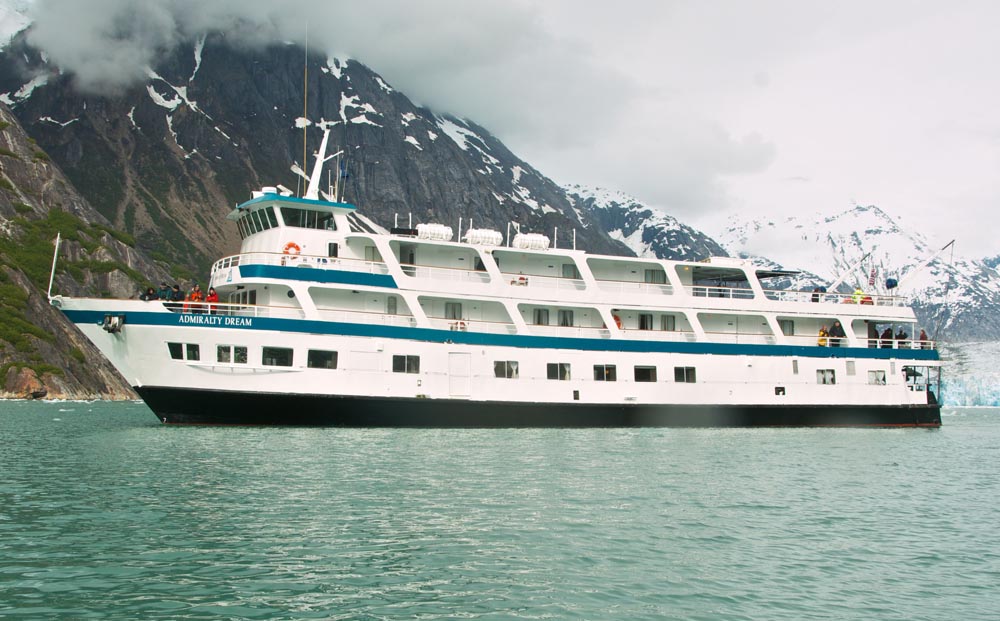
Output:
x=276 y=357
x=645 y=374
x=505 y=369
x=826 y=376
x=320 y=359
x=406 y=364
x=684 y=375
x=605 y=373
x=231 y=354
x=557 y=371
x=308 y=219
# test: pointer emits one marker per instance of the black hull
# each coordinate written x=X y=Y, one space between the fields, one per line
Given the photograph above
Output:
x=187 y=406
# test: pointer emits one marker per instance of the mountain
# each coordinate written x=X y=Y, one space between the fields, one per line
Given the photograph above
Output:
x=954 y=297
x=647 y=232
x=165 y=160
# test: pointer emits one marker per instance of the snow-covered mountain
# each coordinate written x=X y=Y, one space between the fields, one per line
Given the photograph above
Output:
x=647 y=231
x=955 y=297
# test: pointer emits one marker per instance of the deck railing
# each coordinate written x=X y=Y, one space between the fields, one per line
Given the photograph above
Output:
x=300 y=260
x=472 y=325
x=450 y=274
x=835 y=298
x=642 y=288
x=544 y=282
x=730 y=293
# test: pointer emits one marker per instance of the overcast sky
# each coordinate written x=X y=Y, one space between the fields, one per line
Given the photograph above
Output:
x=700 y=108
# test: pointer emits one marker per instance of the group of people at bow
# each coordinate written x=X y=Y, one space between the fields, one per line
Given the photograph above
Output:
x=193 y=301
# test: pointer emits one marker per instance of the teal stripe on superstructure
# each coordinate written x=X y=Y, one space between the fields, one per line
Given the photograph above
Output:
x=312 y=274
x=277 y=198
x=306 y=326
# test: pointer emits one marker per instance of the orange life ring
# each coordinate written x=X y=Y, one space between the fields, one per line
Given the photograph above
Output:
x=290 y=246
x=618 y=321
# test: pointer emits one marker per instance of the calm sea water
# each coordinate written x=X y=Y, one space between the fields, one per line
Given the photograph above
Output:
x=106 y=514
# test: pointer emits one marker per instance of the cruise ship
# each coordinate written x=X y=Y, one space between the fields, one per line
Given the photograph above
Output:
x=319 y=324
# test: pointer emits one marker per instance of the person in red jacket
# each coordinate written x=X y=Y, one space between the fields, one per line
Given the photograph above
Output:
x=196 y=297
x=212 y=298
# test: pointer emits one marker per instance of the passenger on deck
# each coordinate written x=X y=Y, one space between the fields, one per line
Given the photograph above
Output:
x=176 y=298
x=836 y=334
x=823 y=334
x=925 y=341
x=901 y=342
x=886 y=338
x=872 y=334
x=148 y=295
x=212 y=298
x=196 y=297
x=163 y=292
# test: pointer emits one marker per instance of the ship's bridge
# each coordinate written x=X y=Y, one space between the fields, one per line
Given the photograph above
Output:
x=276 y=222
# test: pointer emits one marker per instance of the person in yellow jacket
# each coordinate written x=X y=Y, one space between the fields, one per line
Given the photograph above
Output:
x=823 y=334
x=857 y=295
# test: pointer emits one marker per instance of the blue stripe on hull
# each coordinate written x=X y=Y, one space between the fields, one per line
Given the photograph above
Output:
x=312 y=274
x=304 y=326
x=179 y=405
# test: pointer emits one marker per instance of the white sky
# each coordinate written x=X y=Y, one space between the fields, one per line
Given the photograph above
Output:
x=701 y=108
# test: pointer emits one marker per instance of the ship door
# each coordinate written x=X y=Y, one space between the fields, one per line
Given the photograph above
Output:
x=459 y=374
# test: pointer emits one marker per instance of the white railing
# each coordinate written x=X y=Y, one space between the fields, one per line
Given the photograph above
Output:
x=367 y=317
x=659 y=335
x=234 y=310
x=731 y=293
x=906 y=344
x=449 y=274
x=836 y=298
x=466 y=325
x=739 y=337
x=300 y=260
x=545 y=282
x=643 y=288
x=570 y=331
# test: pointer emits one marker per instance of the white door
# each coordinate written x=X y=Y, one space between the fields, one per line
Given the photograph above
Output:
x=459 y=374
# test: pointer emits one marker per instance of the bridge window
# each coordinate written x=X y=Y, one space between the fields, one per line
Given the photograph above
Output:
x=308 y=219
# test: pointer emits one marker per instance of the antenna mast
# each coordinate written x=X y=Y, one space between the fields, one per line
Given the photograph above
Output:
x=305 y=96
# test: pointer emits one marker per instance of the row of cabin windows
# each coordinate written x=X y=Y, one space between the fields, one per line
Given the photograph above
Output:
x=508 y=369
x=540 y=317
x=270 y=356
x=264 y=219
x=504 y=369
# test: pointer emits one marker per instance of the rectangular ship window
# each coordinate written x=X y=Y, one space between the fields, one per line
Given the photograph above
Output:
x=565 y=318
x=541 y=316
x=505 y=369
x=406 y=364
x=668 y=323
x=684 y=375
x=319 y=359
x=826 y=376
x=851 y=368
x=645 y=374
x=224 y=354
x=876 y=377
x=452 y=310
x=193 y=351
x=557 y=371
x=787 y=327
x=605 y=373
x=176 y=351
x=240 y=354
x=276 y=357
x=645 y=321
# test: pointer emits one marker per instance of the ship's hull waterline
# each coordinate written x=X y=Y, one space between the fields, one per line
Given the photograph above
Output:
x=193 y=406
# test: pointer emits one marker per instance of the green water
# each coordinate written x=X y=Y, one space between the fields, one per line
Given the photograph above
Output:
x=106 y=514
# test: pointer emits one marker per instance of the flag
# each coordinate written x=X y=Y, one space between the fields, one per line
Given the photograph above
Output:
x=871 y=278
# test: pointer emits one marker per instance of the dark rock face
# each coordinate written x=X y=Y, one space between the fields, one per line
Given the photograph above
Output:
x=166 y=160
x=646 y=231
